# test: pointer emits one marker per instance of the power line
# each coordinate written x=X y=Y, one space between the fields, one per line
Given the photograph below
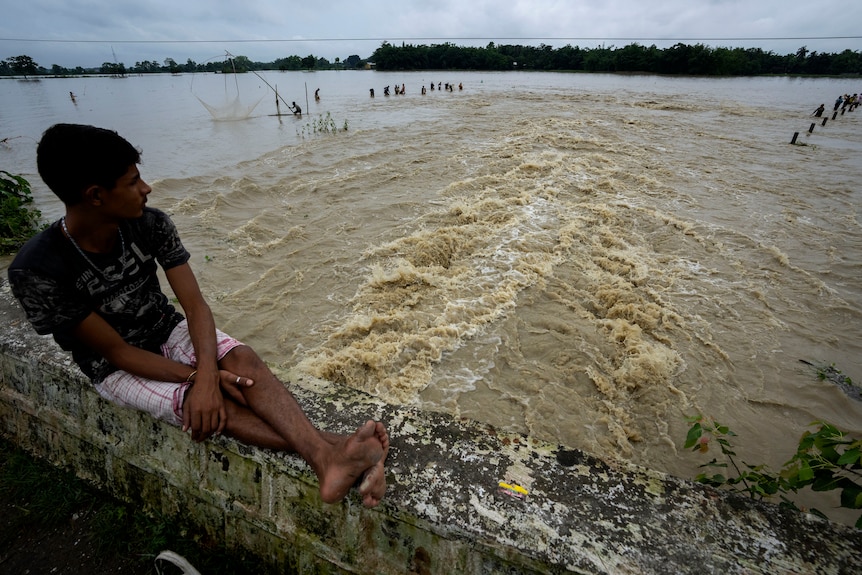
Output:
x=425 y=39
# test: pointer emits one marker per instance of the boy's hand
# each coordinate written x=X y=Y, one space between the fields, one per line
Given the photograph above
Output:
x=203 y=409
x=204 y=405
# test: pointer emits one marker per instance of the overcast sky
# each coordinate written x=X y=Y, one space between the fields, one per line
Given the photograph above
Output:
x=90 y=32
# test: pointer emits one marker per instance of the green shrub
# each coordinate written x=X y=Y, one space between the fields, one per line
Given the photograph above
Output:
x=825 y=460
x=18 y=219
x=323 y=124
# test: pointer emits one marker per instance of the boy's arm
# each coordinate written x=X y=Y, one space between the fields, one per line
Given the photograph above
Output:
x=204 y=410
x=98 y=335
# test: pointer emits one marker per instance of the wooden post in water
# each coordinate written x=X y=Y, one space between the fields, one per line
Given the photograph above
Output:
x=795 y=135
x=834 y=115
x=824 y=121
x=277 y=108
x=811 y=128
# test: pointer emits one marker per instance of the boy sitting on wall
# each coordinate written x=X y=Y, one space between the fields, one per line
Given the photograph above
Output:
x=90 y=280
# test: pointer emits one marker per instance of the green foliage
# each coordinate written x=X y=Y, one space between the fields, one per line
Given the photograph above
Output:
x=240 y=64
x=825 y=460
x=289 y=63
x=353 y=61
x=113 y=69
x=309 y=62
x=678 y=59
x=18 y=219
x=829 y=372
x=322 y=124
x=24 y=65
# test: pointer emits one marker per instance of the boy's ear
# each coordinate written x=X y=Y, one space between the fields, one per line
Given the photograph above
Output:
x=92 y=195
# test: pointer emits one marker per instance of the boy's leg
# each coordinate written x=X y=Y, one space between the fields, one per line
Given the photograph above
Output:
x=163 y=400
x=247 y=427
x=338 y=461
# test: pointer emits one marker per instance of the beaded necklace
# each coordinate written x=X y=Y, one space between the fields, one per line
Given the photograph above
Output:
x=111 y=278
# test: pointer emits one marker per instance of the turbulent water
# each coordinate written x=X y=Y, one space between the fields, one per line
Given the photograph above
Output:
x=587 y=258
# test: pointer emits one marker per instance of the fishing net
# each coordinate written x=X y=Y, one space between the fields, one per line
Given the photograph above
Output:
x=232 y=106
x=231 y=110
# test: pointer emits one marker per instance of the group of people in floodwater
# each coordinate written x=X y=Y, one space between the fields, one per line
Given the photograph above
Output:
x=401 y=90
x=846 y=103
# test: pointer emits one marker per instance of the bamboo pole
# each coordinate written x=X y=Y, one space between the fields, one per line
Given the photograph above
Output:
x=277 y=109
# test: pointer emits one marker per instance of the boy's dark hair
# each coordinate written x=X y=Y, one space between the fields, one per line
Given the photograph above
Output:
x=73 y=157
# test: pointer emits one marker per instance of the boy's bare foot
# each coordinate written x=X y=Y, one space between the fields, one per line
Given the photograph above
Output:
x=373 y=485
x=349 y=459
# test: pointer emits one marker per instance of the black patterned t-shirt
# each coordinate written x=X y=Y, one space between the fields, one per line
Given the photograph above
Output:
x=58 y=287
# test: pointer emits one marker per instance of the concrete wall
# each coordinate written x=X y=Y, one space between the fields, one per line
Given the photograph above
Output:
x=563 y=512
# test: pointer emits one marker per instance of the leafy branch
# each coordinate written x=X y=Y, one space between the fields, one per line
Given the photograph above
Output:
x=825 y=460
x=18 y=219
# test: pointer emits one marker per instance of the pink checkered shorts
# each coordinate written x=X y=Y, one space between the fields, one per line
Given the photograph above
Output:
x=163 y=400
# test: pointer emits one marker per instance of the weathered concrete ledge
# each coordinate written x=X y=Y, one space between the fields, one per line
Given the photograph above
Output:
x=445 y=511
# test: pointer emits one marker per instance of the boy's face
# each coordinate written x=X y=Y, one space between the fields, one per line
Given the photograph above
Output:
x=128 y=197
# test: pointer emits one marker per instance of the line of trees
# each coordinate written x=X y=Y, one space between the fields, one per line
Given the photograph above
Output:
x=24 y=65
x=696 y=59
